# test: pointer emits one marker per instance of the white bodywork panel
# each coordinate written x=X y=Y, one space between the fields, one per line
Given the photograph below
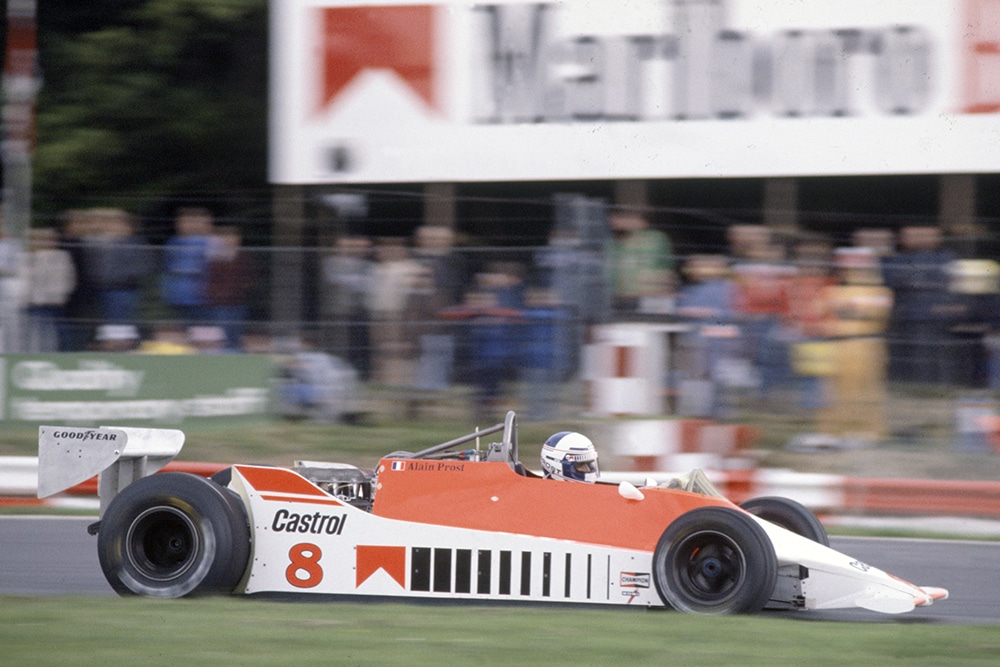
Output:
x=307 y=543
x=836 y=580
x=342 y=550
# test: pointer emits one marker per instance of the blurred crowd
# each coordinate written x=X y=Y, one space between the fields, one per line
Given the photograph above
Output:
x=775 y=311
x=837 y=324
x=87 y=286
x=775 y=316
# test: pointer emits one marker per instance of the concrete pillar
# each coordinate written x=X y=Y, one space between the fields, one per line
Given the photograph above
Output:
x=957 y=213
x=957 y=204
x=632 y=194
x=439 y=205
x=288 y=259
x=781 y=204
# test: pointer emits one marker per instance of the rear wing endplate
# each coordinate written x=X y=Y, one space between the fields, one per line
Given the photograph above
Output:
x=118 y=455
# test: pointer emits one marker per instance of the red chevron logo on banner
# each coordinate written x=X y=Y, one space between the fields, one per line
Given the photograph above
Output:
x=397 y=38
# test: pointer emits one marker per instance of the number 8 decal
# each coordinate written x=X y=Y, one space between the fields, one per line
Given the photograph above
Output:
x=304 y=560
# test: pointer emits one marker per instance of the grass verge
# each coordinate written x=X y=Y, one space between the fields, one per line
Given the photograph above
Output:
x=247 y=632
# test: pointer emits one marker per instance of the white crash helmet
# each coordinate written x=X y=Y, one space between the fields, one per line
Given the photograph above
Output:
x=569 y=455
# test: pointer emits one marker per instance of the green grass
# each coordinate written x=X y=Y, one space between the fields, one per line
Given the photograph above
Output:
x=247 y=632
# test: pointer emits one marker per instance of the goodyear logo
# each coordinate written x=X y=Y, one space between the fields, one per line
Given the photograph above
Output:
x=84 y=435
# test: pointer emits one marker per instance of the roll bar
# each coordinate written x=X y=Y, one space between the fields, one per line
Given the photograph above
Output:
x=508 y=445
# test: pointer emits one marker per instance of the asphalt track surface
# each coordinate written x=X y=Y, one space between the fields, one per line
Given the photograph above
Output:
x=47 y=556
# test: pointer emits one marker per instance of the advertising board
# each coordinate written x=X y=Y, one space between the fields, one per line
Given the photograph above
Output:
x=140 y=389
x=503 y=90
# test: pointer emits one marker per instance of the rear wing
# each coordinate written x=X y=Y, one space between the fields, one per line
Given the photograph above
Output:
x=118 y=455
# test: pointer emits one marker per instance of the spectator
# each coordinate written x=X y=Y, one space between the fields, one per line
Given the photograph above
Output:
x=435 y=343
x=881 y=240
x=642 y=261
x=709 y=293
x=116 y=338
x=859 y=310
x=486 y=334
x=435 y=249
x=571 y=267
x=81 y=306
x=392 y=280
x=539 y=354
x=445 y=278
x=207 y=339
x=923 y=310
x=316 y=386
x=975 y=286
x=231 y=280
x=504 y=281
x=347 y=272
x=807 y=318
x=167 y=338
x=709 y=351
x=762 y=276
x=116 y=262
x=185 y=265
x=12 y=267
x=51 y=280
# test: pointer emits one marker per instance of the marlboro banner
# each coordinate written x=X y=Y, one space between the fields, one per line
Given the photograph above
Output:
x=460 y=91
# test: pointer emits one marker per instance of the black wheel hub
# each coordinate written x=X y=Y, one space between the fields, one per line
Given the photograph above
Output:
x=711 y=566
x=162 y=543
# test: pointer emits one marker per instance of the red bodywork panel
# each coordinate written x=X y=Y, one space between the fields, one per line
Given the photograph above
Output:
x=491 y=496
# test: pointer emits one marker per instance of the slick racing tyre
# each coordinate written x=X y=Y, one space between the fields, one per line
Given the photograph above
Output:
x=715 y=560
x=788 y=514
x=174 y=534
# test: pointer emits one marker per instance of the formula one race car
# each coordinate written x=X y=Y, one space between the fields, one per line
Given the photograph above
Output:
x=461 y=520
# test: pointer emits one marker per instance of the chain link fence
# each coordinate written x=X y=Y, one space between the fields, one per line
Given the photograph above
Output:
x=433 y=324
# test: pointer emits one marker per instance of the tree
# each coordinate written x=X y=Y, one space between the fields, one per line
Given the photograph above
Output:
x=150 y=101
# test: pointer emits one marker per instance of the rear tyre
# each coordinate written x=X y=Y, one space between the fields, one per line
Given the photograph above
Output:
x=174 y=534
x=715 y=560
x=788 y=514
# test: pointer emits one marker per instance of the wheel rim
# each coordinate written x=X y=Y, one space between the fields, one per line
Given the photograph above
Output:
x=710 y=567
x=162 y=543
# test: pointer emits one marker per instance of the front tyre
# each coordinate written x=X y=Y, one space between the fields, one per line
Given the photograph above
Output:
x=715 y=560
x=789 y=514
x=174 y=534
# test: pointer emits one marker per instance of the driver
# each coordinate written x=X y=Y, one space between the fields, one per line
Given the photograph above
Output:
x=570 y=456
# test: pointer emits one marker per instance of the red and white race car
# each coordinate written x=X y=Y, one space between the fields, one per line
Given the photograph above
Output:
x=462 y=520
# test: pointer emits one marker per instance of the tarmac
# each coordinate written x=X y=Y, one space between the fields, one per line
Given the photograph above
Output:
x=944 y=526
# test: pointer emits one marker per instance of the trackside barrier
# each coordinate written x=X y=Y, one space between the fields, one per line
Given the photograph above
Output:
x=977 y=499
x=624 y=367
x=649 y=445
x=820 y=492
x=678 y=444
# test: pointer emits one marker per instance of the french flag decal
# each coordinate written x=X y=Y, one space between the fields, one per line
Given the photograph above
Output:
x=399 y=465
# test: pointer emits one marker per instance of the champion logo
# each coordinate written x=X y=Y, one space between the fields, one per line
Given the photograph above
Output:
x=395 y=38
x=635 y=579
